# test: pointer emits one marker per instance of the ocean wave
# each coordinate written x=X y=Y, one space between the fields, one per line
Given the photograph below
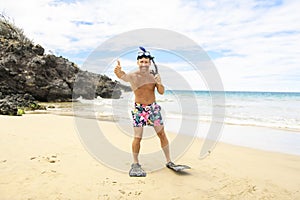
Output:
x=249 y=109
x=165 y=100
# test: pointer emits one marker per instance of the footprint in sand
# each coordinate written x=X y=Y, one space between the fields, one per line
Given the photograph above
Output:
x=121 y=188
x=49 y=159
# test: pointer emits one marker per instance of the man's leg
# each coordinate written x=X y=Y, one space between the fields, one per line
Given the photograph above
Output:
x=163 y=141
x=136 y=143
x=136 y=169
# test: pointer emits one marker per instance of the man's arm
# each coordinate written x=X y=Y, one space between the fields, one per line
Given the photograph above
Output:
x=159 y=85
x=121 y=74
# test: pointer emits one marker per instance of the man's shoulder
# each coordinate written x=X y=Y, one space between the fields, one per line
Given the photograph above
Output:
x=131 y=75
x=135 y=73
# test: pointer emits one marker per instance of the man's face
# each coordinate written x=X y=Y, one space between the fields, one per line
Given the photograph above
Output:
x=144 y=64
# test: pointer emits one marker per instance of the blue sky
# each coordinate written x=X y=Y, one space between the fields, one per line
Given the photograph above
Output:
x=254 y=44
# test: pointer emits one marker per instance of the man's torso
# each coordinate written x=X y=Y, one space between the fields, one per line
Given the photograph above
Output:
x=143 y=86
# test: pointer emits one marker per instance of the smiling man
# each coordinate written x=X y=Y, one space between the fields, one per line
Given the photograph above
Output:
x=146 y=112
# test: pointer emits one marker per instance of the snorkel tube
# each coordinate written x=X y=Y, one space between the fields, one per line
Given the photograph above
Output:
x=151 y=59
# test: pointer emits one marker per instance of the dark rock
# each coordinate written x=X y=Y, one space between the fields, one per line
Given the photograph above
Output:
x=90 y=85
x=25 y=69
x=38 y=49
x=7 y=108
x=10 y=104
x=50 y=78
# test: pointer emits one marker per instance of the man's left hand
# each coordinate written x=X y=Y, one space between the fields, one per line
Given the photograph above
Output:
x=157 y=79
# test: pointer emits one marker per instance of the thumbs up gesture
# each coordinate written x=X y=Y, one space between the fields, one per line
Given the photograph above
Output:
x=118 y=70
x=118 y=67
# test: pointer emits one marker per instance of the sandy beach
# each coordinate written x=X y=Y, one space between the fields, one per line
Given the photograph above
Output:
x=42 y=157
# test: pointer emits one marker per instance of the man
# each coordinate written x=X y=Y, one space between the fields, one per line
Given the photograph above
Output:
x=146 y=111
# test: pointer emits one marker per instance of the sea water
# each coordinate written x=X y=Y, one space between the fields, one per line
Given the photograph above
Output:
x=277 y=111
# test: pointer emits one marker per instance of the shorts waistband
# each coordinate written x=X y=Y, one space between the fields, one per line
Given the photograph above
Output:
x=140 y=104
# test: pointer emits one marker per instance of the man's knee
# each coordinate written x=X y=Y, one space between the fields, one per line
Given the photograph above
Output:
x=161 y=134
x=137 y=139
x=138 y=132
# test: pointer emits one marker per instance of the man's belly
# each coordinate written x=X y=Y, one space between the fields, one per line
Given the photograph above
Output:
x=145 y=100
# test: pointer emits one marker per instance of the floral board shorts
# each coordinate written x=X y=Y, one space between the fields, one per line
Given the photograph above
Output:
x=146 y=115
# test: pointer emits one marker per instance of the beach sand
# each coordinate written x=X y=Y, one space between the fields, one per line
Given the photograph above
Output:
x=42 y=157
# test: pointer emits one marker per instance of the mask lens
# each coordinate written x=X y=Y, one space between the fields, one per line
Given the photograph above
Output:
x=147 y=53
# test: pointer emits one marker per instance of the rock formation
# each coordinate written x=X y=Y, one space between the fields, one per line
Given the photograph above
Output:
x=27 y=73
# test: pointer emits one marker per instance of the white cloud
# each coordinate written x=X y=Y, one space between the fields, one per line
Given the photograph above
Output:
x=260 y=38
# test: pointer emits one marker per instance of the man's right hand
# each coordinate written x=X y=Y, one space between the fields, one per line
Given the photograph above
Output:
x=118 y=70
x=118 y=67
